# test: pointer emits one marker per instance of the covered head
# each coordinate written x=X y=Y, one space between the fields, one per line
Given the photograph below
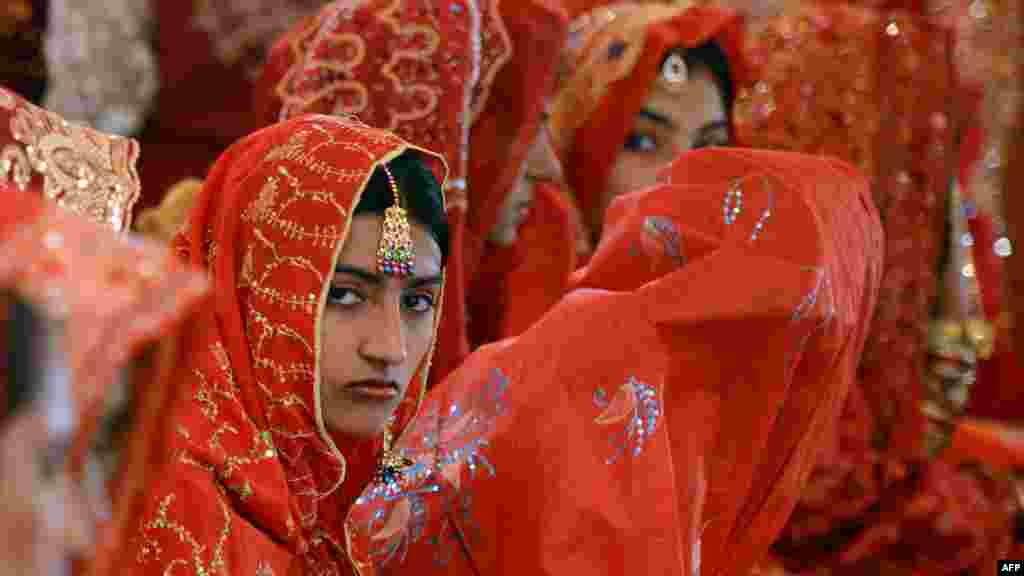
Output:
x=421 y=69
x=426 y=70
x=643 y=83
x=326 y=241
x=700 y=364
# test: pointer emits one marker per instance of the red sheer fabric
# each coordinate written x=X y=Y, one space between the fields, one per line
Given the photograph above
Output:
x=630 y=408
x=614 y=56
x=535 y=272
x=243 y=437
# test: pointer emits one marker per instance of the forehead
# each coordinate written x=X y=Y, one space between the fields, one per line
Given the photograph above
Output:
x=360 y=247
x=698 y=99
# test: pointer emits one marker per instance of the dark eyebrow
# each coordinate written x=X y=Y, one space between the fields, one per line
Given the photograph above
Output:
x=425 y=281
x=656 y=117
x=377 y=279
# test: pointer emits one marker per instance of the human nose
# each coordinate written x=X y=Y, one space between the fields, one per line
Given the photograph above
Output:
x=385 y=339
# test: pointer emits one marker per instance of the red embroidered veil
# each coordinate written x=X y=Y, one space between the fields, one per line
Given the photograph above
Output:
x=664 y=416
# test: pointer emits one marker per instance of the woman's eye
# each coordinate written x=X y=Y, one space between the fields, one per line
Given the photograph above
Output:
x=637 y=142
x=342 y=296
x=420 y=303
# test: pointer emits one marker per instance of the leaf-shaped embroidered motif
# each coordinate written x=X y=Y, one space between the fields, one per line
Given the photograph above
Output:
x=622 y=406
x=397 y=521
x=662 y=240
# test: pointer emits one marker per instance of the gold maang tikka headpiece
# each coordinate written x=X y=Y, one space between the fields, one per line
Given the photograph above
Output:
x=395 y=256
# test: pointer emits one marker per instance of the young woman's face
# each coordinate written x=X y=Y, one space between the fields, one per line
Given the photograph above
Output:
x=674 y=119
x=376 y=330
x=541 y=165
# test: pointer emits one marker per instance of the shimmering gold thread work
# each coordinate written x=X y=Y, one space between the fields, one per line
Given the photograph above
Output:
x=150 y=547
x=86 y=172
x=496 y=52
x=432 y=94
x=395 y=254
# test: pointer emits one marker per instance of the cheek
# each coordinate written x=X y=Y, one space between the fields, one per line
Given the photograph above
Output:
x=420 y=336
x=337 y=346
x=631 y=172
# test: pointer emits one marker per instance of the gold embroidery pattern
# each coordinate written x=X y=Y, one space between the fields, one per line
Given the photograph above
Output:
x=409 y=66
x=89 y=173
x=292 y=227
x=151 y=549
x=495 y=52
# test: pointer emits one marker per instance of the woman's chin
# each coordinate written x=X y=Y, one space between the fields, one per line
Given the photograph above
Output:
x=360 y=428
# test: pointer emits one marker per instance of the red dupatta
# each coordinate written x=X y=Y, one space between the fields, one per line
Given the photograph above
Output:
x=242 y=437
x=664 y=416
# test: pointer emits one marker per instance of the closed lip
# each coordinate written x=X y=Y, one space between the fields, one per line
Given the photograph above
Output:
x=375 y=388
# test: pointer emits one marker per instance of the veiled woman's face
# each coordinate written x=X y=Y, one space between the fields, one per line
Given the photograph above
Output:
x=376 y=330
x=674 y=119
x=541 y=165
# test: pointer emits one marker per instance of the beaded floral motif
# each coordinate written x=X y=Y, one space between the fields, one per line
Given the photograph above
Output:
x=448 y=443
x=86 y=172
x=732 y=205
x=662 y=239
x=819 y=302
x=636 y=403
x=495 y=51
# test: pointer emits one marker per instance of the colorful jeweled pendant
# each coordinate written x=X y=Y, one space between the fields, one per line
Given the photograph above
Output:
x=395 y=255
